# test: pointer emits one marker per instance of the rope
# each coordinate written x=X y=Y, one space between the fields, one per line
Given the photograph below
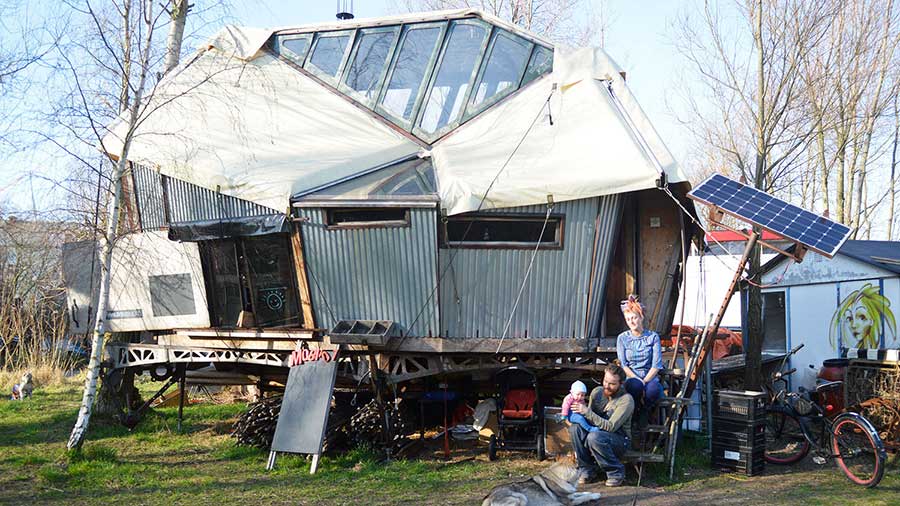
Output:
x=472 y=222
x=718 y=257
x=525 y=280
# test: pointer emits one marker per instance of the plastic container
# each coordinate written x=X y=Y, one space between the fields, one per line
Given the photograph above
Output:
x=742 y=406
x=751 y=461
x=730 y=432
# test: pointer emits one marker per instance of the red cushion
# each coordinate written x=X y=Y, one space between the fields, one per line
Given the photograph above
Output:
x=519 y=403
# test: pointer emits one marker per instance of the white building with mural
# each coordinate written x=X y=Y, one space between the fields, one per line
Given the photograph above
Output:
x=832 y=306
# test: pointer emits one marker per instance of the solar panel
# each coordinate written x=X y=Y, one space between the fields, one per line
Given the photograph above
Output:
x=749 y=204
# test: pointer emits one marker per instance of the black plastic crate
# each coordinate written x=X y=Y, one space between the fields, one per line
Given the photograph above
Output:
x=739 y=405
x=738 y=433
x=743 y=459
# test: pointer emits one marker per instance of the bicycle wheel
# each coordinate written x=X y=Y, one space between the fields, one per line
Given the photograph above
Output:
x=858 y=450
x=785 y=443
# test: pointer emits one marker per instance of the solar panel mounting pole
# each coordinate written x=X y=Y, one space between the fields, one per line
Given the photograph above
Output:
x=693 y=368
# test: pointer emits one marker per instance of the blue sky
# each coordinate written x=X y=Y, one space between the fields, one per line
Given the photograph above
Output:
x=638 y=39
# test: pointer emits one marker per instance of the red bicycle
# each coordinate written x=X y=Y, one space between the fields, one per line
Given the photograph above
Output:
x=796 y=423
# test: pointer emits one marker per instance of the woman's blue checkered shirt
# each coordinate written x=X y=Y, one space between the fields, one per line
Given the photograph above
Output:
x=640 y=353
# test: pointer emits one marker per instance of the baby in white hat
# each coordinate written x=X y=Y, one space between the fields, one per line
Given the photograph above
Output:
x=577 y=395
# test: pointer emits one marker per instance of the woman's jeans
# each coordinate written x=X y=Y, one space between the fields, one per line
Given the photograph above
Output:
x=644 y=395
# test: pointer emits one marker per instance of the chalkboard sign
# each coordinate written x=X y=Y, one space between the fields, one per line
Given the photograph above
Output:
x=307 y=400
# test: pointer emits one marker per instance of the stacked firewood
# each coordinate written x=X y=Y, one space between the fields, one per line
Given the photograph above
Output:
x=367 y=426
x=256 y=427
x=347 y=426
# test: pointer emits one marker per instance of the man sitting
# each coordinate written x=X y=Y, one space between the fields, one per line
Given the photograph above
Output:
x=609 y=409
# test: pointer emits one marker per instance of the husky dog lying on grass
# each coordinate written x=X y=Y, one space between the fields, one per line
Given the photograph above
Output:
x=554 y=486
x=23 y=388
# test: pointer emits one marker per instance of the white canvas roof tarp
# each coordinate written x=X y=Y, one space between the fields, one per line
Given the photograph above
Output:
x=597 y=144
x=258 y=130
x=262 y=131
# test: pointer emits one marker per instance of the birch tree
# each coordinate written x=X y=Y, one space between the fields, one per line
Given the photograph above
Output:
x=852 y=109
x=132 y=51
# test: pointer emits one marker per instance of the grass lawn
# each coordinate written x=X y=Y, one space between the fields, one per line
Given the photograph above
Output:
x=154 y=464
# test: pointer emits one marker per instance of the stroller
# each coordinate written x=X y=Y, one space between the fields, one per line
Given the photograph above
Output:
x=519 y=424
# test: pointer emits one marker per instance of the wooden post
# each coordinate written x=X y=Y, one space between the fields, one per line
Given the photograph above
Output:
x=182 y=385
x=303 y=293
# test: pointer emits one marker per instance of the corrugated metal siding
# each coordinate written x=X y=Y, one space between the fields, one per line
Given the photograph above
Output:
x=374 y=273
x=478 y=291
x=149 y=194
x=187 y=202
x=610 y=216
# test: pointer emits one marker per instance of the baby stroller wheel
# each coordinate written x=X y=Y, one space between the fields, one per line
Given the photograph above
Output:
x=492 y=448
x=541 y=452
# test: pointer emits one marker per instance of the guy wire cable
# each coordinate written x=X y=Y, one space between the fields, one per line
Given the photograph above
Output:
x=480 y=203
x=525 y=280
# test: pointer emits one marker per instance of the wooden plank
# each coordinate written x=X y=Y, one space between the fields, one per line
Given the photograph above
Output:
x=489 y=345
x=180 y=340
x=249 y=334
x=303 y=293
x=659 y=235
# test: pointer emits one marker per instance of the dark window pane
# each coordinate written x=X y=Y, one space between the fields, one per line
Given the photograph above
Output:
x=774 y=327
x=223 y=282
x=506 y=231
x=447 y=94
x=328 y=53
x=541 y=63
x=368 y=217
x=368 y=64
x=172 y=295
x=296 y=48
x=409 y=71
x=271 y=273
x=503 y=68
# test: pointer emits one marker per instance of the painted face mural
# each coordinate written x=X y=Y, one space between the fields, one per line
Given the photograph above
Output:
x=860 y=319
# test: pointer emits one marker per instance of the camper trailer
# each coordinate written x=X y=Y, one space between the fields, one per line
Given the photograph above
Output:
x=438 y=194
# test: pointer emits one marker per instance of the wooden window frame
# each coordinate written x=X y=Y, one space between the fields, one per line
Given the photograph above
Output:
x=331 y=225
x=558 y=245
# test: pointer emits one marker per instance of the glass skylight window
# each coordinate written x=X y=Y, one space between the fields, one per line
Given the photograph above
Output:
x=454 y=76
x=541 y=62
x=369 y=62
x=329 y=52
x=503 y=70
x=425 y=77
x=411 y=65
x=297 y=47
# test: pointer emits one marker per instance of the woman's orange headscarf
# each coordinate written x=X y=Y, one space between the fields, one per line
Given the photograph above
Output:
x=631 y=305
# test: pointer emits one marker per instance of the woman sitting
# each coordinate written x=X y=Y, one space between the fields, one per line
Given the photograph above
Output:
x=640 y=354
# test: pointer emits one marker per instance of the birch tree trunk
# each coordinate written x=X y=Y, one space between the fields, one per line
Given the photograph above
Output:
x=79 y=431
x=179 y=13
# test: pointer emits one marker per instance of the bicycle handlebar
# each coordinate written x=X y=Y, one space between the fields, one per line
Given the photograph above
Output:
x=780 y=375
x=798 y=348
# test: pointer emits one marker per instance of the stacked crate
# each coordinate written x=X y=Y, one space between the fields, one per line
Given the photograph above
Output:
x=739 y=431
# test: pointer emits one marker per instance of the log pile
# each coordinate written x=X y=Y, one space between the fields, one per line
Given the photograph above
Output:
x=366 y=426
x=347 y=426
x=256 y=427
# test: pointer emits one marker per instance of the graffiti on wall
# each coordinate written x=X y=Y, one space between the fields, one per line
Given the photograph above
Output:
x=861 y=318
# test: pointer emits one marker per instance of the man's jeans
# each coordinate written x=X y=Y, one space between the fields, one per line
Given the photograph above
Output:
x=602 y=447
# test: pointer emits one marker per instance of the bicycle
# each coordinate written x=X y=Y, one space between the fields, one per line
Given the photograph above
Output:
x=796 y=423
